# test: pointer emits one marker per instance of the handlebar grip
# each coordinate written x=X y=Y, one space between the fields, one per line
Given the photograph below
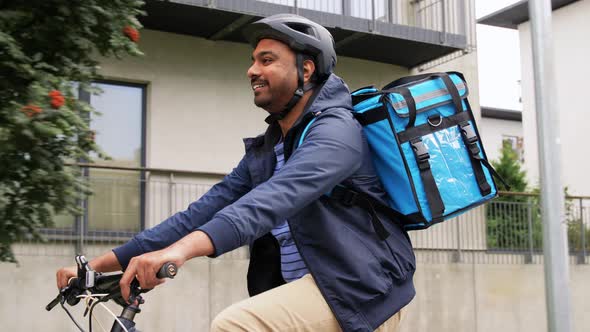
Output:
x=53 y=303
x=168 y=270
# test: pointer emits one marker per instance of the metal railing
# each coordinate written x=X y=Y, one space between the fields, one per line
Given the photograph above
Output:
x=507 y=230
x=445 y=16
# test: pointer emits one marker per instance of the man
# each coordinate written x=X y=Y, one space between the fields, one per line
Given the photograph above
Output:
x=316 y=264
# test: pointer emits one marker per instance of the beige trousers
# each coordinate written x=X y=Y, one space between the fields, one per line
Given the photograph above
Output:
x=293 y=307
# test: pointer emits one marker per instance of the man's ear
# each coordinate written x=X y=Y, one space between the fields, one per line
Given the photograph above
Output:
x=308 y=70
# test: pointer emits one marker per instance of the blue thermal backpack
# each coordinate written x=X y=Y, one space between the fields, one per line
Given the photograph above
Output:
x=425 y=148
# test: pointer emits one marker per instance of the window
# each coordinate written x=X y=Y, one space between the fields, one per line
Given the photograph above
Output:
x=117 y=203
x=117 y=206
x=517 y=144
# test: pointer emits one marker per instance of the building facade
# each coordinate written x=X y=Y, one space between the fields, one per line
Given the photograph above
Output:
x=570 y=51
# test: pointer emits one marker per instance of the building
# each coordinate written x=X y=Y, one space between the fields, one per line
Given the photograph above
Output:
x=195 y=55
x=569 y=56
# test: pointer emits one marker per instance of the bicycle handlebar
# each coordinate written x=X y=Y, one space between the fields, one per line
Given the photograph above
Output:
x=168 y=270
x=104 y=284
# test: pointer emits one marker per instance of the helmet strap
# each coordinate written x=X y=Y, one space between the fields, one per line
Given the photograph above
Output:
x=301 y=89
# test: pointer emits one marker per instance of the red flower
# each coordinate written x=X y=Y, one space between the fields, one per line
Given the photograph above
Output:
x=131 y=33
x=31 y=110
x=57 y=99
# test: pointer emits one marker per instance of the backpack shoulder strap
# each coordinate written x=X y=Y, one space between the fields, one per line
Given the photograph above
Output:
x=350 y=197
x=305 y=130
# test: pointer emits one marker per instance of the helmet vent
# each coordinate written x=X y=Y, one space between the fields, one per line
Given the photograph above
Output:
x=303 y=28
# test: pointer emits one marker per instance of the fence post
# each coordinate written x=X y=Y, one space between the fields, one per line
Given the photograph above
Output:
x=80 y=229
x=391 y=12
x=443 y=32
x=463 y=19
x=457 y=254
x=346 y=8
x=528 y=258
x=170 y=192
x=373 y=16
x=82 y=220
x=582 y=252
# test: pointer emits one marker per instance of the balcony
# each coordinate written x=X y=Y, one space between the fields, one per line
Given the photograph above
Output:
x=406 y=33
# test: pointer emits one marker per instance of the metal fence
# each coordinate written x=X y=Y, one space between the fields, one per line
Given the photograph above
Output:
x=506 y=231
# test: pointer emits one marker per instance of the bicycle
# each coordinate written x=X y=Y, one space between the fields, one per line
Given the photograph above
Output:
x=96 y=288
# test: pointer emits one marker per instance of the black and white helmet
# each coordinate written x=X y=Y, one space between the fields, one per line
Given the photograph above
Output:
x=302 y=36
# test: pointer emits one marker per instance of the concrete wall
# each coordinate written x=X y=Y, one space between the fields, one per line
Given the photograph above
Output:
x=199 y=100
x=482 y=298
x=571 y=54
x=450 y=297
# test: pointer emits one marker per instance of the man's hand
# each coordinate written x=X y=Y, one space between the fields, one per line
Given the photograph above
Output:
x=107 y=262
x=145 y=268
x=64 y=274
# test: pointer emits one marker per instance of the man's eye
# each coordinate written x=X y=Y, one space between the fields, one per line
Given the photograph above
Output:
x=266 y=60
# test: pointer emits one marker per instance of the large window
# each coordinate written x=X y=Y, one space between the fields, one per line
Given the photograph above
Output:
x=117 y=203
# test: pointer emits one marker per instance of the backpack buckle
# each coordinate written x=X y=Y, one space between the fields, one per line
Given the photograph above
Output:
x=470 y=138
x=468 y=132
x=348 y=197
x=420 y=150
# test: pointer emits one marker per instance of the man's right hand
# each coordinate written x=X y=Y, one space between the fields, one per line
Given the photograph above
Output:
x=64 y=274
x=105 y=263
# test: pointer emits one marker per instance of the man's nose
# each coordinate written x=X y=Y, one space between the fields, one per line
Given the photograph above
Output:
x=253 y=71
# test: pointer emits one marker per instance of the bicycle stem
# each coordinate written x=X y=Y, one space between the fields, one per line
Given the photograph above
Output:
x=127 y=316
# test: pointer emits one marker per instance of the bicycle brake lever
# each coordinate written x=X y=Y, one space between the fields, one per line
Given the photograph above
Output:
x=134 y=291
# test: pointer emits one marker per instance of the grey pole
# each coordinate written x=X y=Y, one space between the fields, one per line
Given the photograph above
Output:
x=557 y=290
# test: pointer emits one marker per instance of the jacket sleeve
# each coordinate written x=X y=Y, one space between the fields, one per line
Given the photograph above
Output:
x=329 y=154
x=231 y=188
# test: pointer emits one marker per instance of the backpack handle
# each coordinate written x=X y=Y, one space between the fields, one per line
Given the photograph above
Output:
x=411 y=103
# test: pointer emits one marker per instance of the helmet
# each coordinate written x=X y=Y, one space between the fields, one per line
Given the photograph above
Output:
x=302 y=36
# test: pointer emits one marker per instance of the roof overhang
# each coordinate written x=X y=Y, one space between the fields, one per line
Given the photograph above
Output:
x=510 y=17
x=501 y=114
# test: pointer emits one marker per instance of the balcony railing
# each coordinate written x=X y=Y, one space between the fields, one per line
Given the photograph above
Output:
x=507 y=230
x=401 y=32
x=445 y=16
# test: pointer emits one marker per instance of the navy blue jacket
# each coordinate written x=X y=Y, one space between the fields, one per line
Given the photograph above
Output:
x=364 y=280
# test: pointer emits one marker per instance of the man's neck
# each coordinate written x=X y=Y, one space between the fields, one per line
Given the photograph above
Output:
x=287 y=122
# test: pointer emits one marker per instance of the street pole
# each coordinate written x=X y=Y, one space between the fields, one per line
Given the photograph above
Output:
x=557 y=290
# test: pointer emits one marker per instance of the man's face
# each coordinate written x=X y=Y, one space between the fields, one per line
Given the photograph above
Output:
x=273 y=75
